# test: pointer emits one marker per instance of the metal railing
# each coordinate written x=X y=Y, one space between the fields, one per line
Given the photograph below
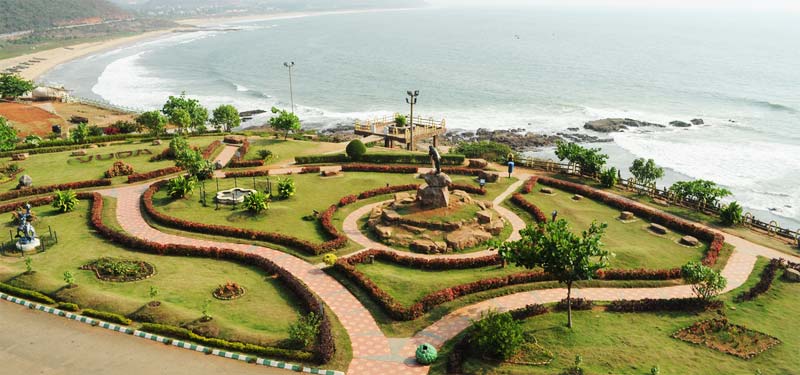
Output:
x=103 y=104
x=386 y=126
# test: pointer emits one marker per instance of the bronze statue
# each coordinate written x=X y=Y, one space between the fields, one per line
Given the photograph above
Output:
x=436 y=159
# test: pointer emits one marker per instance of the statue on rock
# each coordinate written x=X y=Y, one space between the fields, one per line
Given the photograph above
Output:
x=436 y=159
x=25 y=232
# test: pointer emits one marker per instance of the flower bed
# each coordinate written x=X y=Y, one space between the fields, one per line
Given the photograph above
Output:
x=324 y=347
x=229 y=291
x=726 y=337
x=36 y=190
x=716 y=240
x=139 y=177
x=120 y=270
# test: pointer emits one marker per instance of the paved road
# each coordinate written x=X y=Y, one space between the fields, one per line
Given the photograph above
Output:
x=33 y=342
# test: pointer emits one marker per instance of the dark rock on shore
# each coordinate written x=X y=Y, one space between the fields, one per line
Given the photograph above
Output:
x=611 y=125
x=680 y=124
x=697 y=121
x=517 y=139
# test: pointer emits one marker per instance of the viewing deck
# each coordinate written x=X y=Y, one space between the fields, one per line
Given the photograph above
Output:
x=385 y=128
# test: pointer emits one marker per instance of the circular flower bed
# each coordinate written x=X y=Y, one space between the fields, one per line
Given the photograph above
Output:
x=120 y=270
x=228 y=291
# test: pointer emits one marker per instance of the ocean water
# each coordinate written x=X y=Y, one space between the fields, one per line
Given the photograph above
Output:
x=543 y=70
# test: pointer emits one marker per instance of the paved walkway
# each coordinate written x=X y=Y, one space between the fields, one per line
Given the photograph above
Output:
x=224 y=158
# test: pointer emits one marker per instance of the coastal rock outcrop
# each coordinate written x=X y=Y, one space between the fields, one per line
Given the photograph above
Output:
x=680 y=124
x=697 y=121
x=611 y=125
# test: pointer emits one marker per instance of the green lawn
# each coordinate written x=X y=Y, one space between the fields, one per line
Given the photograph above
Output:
x=61 y=167
x=631 y=343
x=184 y=283
x=632 y=244
x=284 y=151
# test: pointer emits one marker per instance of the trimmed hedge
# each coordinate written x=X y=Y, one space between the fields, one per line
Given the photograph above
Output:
x=379 y=168
x=209 y=150
x=447 y=159
x=40 y=201
x=249 y=173
x=320 y=159
x=468 y=188
x=387 y=190
x=534 y=210
x=716 y=240
x=324 y=348
x=488 y=176
x=107 y=316
x=530 y=184
x=185 y=334
x=245 y=164
x=306 y=170
x=639 y=274
x=26 y=293
x=44 y=150
x=66 y=306
x=672 y=304
x=764 y=282
x=577 y=304
x=36 y=190
x=139 y=177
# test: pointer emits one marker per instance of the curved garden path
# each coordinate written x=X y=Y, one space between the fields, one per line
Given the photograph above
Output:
x=373 y=352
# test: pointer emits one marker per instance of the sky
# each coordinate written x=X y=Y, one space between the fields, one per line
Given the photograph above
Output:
x=780 y=5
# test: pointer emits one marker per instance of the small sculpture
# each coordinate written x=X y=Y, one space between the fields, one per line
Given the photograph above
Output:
x=436 y=159
x=25 y=231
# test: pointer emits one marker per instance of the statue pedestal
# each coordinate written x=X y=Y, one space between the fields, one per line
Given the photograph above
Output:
x=435 y=193
x=29 y=245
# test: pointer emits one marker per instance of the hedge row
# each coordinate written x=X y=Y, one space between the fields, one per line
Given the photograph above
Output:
x=26 y=293
x=716 y=240
x=447 y=159
x=764 y=282
x=107 y=316
x=387 y=190
x=209 y=150
x=324 y=348
x=67 y=306
x=34 y=151
x=185 y=334
x=534 y=210
x=577 y=304
x=245 y=163
x=40 y=201
x=249 y=173
x=306 y=170
x=36 y=190
x=529 y=185
x=672 y=304
x=337 y=242
x=379 y=168
x=640 y=274
x=139 y=177
x=468 y=188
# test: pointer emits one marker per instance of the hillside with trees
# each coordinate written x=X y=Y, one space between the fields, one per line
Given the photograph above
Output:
x=22 y=15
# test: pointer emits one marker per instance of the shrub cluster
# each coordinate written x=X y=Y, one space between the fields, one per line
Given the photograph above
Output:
x=25 y=192
x=106 y=316
x=529 y=311
x=349 y=199
x=66 y=306
x=447 y=159
x=577 y=304
x=120 y=168
x=324 y=348
x=321 y=159
x=672 y=304
x=716 y=240
x=488 y=176
x=387 y=190
x=245 y=163
x=639 y=274
x=468 y=188
x=163 y=155
x=249 y=173
x=306 y=170
x=26 y=293
x=534 y=210
x=764 y=282
x=139 y=177
x=209 y=150
x=379 y=168
x=185 y=334
x=14 y=206
x=529 y=185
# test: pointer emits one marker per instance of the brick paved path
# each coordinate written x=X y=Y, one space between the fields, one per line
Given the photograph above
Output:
x=224 y=158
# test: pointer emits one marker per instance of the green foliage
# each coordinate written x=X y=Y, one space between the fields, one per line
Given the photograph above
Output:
x=226 y=116
x=284 y=121
x=8 y=135
x=329 y=259
x=28 y=265
x=655 y=370
x=426 y=354
x=702 y=191
x=25 y=293
x=185 y=113
x=356 y=149
x=178 y=145
x=65 y=201
x=95 y=131
x=303 y=332
x=21 y=15
x=646 y=172
x=381 y=158
x=80 y=133
x=106 y=316
x=190 y=159
x=69 y=279
x=563 y=254
x=127 y=127
x=264 y=154
x=400 y=120
x=32 y=139
x=154 y=121
x=286 y=188
x=181 y=186
x=153 y=293
x=496 y=335
x=256 y=202
x=66 y=306
x=731 y=214
x=609 y=177
x=13 y=86
x=488 y=150
x=590 y=160
x=205 y=308
x=706 y=282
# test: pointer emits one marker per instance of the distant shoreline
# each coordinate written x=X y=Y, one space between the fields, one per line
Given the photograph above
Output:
x=51 y=58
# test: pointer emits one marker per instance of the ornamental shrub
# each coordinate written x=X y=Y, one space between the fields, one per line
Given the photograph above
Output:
x=286 y=188
x=706 y=282
x=256 y=202
x=426 y=354
x=304 y=331
x=487 y=150
x=264 y=154
x=330 y=259
x=65 y=201
x=731 y=214
x=356 y=149
x=609 y=177
x=496 y=335
x=107 y=316
x=120 y=168
x=66 y=306
x=180 y=187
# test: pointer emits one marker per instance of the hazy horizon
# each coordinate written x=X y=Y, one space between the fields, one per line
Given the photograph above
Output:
x=718 y=5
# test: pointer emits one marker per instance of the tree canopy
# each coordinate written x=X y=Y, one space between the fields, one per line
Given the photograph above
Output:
x=561 y=253
x=8 y=135
x=226 y=116
x=284 y=121
x=177 y=109
x=154 y=121
x=591 y=160
x=13 y=86
x=701 y=191
x=646 y=172
x=706 y=282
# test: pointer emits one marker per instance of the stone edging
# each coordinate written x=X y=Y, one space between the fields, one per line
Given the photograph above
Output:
x=165 y=340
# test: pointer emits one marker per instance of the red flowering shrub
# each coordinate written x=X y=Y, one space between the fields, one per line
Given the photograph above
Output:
x=379 y=168
x=639 y=274
x=764 y=282
x=138 y=177
x=529 y=185
x=245 y=163
x=250 y=173
x=120 y=168
x=111 y=130
x=305 y=170
x=577 y=304
x=519 y=200
x=387 y=190
x=672 y=304
x=350 y=199
x=478 y=163
x=209 y=150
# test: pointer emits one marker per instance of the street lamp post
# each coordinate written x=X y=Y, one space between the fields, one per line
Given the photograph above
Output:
x=291 y=90
x=412 y=99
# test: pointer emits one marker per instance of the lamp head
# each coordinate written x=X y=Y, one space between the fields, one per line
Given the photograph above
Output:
x=416 y=92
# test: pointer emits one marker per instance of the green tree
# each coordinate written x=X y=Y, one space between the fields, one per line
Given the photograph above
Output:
x=284 y=121
x=8 y=135
x=646 y=172
x=198 y=115
x=181 y=186
x=69 y=279
x=706 y=282
x=731 y=214
x=13 y=86
x=703 y=192
x=356 y=149
x=227 y=117
x=590 y=160
x=80 y=134
x=400 y=120
x=561 y=253
x=32 y=139
x=256 y=202
x=496 y=335
x=65 y=201
x=154 y=121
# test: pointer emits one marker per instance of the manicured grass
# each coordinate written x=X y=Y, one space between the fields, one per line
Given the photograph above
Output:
x=631 y=343
x=632 y=244
x=184 y=283
x=284 y=151
x=61 y=167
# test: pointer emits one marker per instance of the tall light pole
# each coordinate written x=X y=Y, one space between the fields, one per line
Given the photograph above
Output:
x=412 y=99
x=291 y=90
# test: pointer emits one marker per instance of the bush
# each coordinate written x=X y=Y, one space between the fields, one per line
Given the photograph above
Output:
x=286 y=188
x=609 y=177
x=378 y=168
x=706 y=282
x=26 y=293
x=426 y=354
x=529 y=185
x=256 y=202
x=250 y=173
x=496 y=335
x=264 y=154
x=245 y=163
x=731 y=214
x=393 y=158
x=356 y=149
x=180 y=187
x=66 y=306
x=329 y=259
x=764 y=282
x=65 y=201
x=120 y=168
x=577 y=304
x=487 y=150
x=532 y=209
x=303 y=332
x=672 y=304
x=107 y=316
x=139 y=177
x=51 y=188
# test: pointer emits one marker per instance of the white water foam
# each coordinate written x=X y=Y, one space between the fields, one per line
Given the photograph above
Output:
x=125 y=82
